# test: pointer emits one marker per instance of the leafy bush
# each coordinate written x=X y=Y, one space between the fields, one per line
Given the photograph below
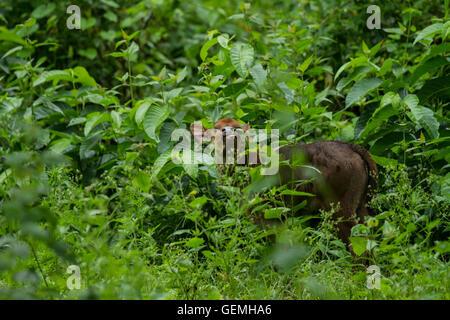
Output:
x=86 y=118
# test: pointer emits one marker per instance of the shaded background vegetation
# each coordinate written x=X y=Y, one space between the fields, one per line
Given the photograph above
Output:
x=85 y=123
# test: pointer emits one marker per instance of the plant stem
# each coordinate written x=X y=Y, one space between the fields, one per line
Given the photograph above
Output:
x=38 y=264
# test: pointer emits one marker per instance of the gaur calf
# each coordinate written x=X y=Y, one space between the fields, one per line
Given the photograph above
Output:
x=336 y=172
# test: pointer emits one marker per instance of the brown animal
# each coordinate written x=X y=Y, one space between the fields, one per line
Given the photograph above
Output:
x=338 y=172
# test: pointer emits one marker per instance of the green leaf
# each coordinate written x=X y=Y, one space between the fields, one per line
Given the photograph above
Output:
x=439 y=87
x=83 y=77
x=199 y=202
x=380 y=115
x=363 y=119
x=115 y=116
x=386 y=67
x=88 y=144
x=427 y=66
x=142 y=180
x=360 y=89
x=206 y=47
x=241 y=56
x=159 y=164
x=43 y=10
x=52 y=75
x=75 y=121
x=384 y=162
x=428 y=31
x=182 y=74
x=259 y=75
x=305 y=64
x=341 y=69
x=411 y=100
x=234 y=89
x=191 y=168
x=141 y=111
x=93 y=120
x=194 y=242
x=6 y=35
x=424 y=117
x=390 y=98
x=275 y=213
x=223 y=40
x=289 y=94
x=359 y=245
x=10 y=52
x=297 y=193
x=154 y=116
x=60 y=145
x=89 y=53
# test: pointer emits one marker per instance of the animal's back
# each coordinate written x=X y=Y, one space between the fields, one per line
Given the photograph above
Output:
x=346 y=173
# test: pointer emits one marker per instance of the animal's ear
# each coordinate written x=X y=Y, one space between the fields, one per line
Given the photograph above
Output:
x=246 y=127
x=197 y=130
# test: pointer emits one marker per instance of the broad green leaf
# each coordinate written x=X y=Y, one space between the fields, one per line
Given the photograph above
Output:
x=305 y=64
x=380 y=115
x=384 y=162
x=360 y=89
x=60 y=145
x=428 y=31
x=89 y=53
x=288 y=93
x=169 y=95
x=424 y=117
x=88 y=144
x=154 y=116
x=159 y=164
x=241 y=56
x=141 y=111
x=93 y=120
x=132 y=49
x=275 y=213
x=6 y=35
x=115 y=116
x=439 y=87
x=234 y=89
x=194 y=242
x=386 y=67
x=199 y=202
x=259 y=75
x=182 y=74
x=53 y=106
x=223 y=41
x=43 y=10
x=142 y=180
x=52 y=75
x=427 y=66
x=390 y=98
x=10 y=52
x=341 y=69
x=206 y=47
x=411 y=100
x=191 y=169
x=359 y=245
x=83 y=77
x=75 y=121
x=363 y=119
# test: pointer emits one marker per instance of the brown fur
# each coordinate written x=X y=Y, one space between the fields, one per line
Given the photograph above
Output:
x=348 y=176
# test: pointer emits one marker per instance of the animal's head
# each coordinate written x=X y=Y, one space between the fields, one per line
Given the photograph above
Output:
x=225 y=128
x=230 y=139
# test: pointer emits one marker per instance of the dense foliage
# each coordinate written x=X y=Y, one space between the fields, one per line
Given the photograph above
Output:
x=86 y=118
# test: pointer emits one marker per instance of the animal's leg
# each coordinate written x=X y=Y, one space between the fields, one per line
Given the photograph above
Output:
x=362 y=212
